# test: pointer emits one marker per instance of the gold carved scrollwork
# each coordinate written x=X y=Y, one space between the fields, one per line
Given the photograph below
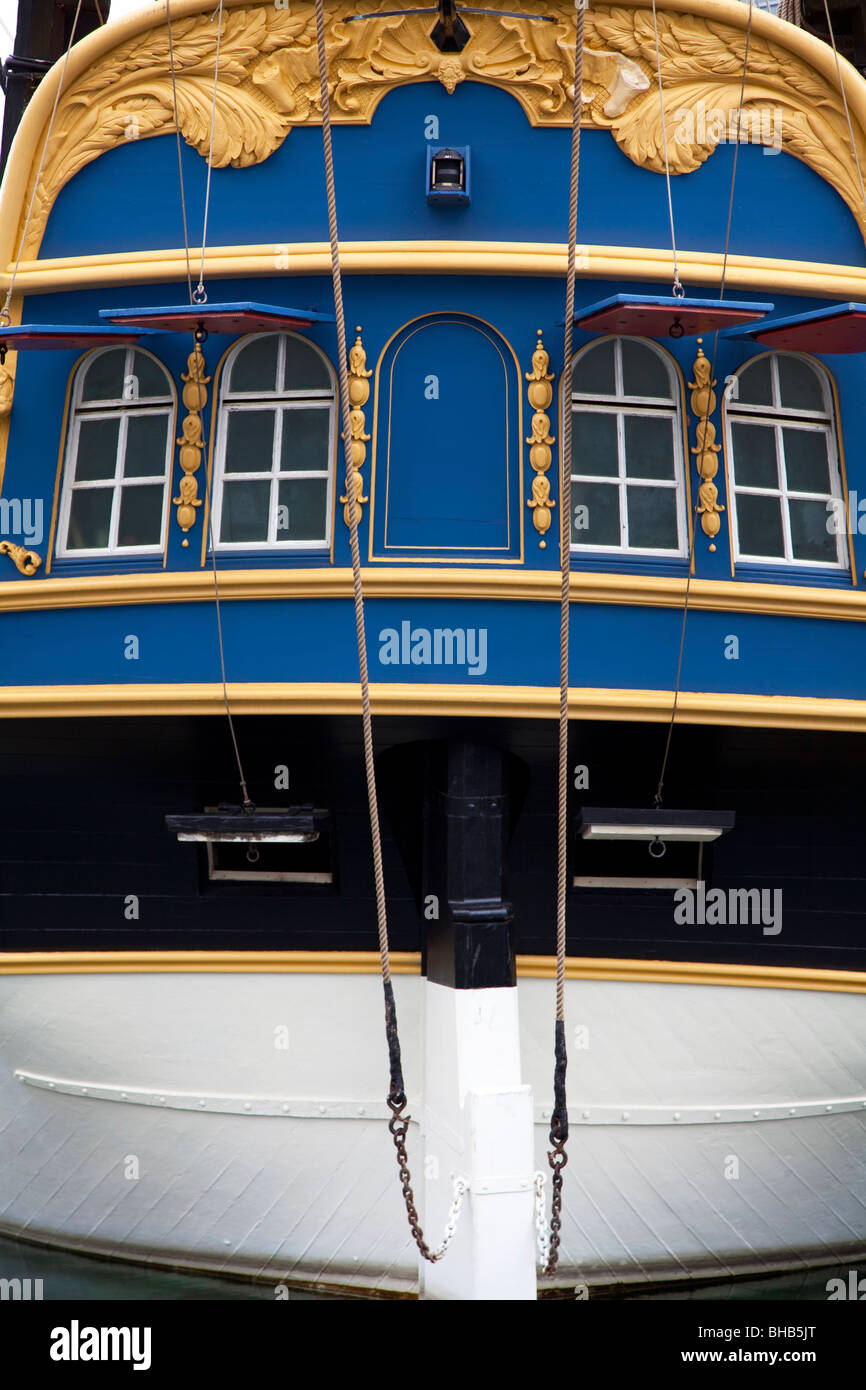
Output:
x=359 y=392
x=7 y=387
x=268 y=83
x=705 y=449
x=191 y=443
x=26 y=561
x=540 y=393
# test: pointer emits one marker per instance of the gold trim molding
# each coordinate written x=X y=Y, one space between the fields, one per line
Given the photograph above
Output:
x=359 y=394
x=117 y=86
x=653 y=591
x=409 y=963
x=513 y=701
x=540 y=393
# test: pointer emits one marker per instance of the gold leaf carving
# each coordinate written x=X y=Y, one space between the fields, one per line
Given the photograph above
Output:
x=26 y=561
x=359 y=393
x=705 y=449
x=268 y=82
x=540 y=393
x=191 y=442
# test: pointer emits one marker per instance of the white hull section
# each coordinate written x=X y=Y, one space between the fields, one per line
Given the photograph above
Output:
x=236 y=1123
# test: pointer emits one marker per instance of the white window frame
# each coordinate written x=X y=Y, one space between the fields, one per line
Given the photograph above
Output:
x=281 y=402
x=118 y=409
x=779 y=417
x=621 y=405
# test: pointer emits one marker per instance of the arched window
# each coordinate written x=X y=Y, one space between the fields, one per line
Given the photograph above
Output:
x=783 y=461
x=275 y=445
x=628 y=487
x=117 y=472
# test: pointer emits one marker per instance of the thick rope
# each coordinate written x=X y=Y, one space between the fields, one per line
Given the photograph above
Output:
x=557 y=1157
x=4 y=312
x=366 y=719
x=657 y=799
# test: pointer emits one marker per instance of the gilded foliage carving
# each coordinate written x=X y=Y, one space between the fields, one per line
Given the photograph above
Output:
x=705 y=448
x=191 y=442
x=540 y=393
x=359 y=392
x=268 y=83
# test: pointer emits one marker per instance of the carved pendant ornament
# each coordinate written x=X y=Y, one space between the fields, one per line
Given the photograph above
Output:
x=359 y=392
x=705 y=448
x=191 y=442
x=540 y=393
x=268 y=83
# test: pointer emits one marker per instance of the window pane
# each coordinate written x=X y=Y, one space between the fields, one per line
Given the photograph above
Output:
x=806 y=460
x=595 y=514
x=810 y=539
x=652 y=518
x=255 y=367
x=755 y=455
x=90 y=518
x=759 y=525
x=643 y=372
x=799 y=384
x=305 y=439
x=150 y=379
x=305 y=517
x=755 y=386
x=649 y=446
x=250 y=442
x=97 y=450
x=103 y=378
x=593 y=444
x=140 y=516
x=245 y=511
x=146 y=440
x=594 y=373
x=305 y=370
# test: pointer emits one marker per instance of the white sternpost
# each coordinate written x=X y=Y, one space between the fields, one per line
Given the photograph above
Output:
x=477 y=1124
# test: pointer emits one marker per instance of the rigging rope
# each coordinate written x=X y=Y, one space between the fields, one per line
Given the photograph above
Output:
x=678 y=289
x=844 y=101
x=702 y=423
x=399 y=1123
x=4 y=312
x=557 y=1157
x=199 y=295
x=200 y=336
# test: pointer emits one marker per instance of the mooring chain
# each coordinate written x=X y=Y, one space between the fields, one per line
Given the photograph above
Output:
x=399 y=1125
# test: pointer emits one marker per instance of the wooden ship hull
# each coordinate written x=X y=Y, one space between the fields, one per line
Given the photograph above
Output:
x=194 y=1066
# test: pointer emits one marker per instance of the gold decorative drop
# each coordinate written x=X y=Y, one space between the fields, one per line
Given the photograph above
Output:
x=706 y=450
x=540 y=393
x=24 y=560
x=359 y=392
x=7 y=386
x=191 y=444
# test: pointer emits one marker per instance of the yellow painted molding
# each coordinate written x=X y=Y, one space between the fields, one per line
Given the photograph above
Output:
x=759 y=273
x=115 y=85
x=710 y=595
x=409 y=963
x=515 y=701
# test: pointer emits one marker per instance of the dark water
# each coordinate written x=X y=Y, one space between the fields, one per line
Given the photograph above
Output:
x=80 y=1277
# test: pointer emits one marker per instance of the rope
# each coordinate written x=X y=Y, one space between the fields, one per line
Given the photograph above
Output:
x=657 y=799
x=557 y=1157
x=844 y=100
x=200 y=296
x=179 y=155
x=678 y=289
x=4 y=312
